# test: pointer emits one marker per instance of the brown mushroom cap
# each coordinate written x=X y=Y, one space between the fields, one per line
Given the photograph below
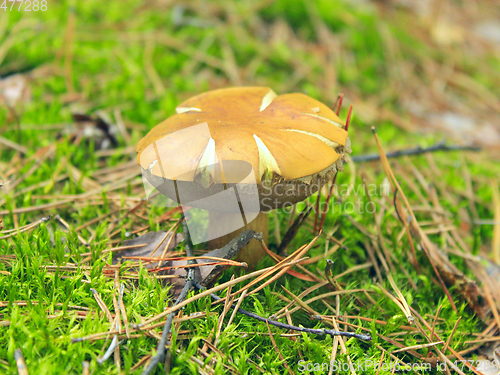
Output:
x=287 y=139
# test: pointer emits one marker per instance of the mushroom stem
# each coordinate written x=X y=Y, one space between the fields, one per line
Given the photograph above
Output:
x=251 y=253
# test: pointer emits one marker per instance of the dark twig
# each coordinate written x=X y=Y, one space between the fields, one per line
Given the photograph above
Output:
x=161 y=350
x=441 y=146
x=340 y=98
x=396 y=206
x=292 y=231
x=330 y=332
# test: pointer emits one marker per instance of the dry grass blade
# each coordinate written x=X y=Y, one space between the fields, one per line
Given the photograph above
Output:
x=118 y=320
x=288 y=369
x=491 y=303
x=401 y=298
x=40 y=156
x=283 y=265
x=13 y=145
x=301 y=303
x=276 y=258
x=118 y=248
x=482 y=341
x=380 y=362
x=102 y=305
x=289 y=321
x=344 y=348
x=222 y=263
x=333 y=356
x=401 y=346
x=213 y=290
x=104 y=335
x=238 y=304
x=377 y=321
x=171 y=230
x=451 y=335
x=417 y=347
x=13 y=232
x=68 y=227
x=142 y=361
x=435 y=321
x=154 y=259
x=325 y=295
x=325 y=255
x=427 y=245
x=228 y=301
x=41 y=207
x=440 y=354
x=123 y=310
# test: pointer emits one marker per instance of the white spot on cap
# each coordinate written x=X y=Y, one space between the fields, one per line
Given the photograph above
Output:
x=339 y=124
x=326 y=141
x=267 y=162
x=267 y=99
x=208 y=158
x=152 y=164
x=186 y=109
x=206 y=166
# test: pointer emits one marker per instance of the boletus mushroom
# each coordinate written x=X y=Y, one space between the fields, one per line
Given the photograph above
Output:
x=241 y=152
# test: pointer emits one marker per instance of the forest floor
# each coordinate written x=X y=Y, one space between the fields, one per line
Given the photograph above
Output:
x=414 y=240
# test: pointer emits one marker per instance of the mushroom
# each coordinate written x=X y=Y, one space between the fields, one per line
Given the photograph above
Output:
x=239 y=153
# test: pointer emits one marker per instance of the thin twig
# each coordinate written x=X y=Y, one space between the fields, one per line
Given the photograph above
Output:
x=292 y=231
x=441 y=146
x=330 y=332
